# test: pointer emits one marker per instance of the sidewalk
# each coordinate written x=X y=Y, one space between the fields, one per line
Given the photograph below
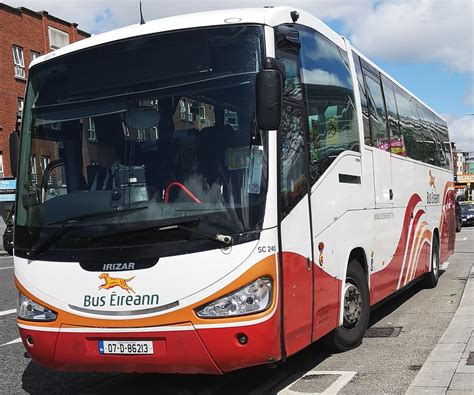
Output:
x=446 y=371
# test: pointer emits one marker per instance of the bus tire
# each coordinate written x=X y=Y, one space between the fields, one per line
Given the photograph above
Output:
x=431 y=278
x=458 y=225
x=356 y=309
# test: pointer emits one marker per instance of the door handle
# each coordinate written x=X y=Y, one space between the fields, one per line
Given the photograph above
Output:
x=391 y=194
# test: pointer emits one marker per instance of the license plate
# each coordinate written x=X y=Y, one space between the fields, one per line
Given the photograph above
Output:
x=125 y=347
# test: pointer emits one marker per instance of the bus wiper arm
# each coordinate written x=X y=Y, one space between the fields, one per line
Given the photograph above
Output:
x=44 y=244
x=225 y=239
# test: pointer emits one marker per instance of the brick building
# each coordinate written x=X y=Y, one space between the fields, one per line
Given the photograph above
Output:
x=24 y=35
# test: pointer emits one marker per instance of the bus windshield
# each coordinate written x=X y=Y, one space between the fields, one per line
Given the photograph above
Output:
x=121 y=140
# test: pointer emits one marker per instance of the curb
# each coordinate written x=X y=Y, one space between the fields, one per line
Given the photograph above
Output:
x=446 y=369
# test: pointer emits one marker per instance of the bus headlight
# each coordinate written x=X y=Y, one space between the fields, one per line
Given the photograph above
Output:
x=252 y=298
x=32 y=311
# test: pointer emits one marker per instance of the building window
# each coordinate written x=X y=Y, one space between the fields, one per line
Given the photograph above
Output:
x=19 y=62
x=182 y=108
x=34 y=55
x=34 y=179
x=91 y=136
x=154 y=133
x=57 y=38
x=33 y=164
x=21 y=102
x=44 y=162
x=140 y=134
x=190 y=114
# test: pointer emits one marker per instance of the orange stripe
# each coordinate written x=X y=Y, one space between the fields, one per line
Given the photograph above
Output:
x=413 y=252
x=265 y=267
x=426 y=238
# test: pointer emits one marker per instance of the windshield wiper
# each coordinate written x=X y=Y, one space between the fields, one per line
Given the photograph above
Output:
x=224 y=239
x=44 y=244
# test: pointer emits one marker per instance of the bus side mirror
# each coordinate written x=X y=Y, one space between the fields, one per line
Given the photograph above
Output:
x=269 y=92
x=14 y=152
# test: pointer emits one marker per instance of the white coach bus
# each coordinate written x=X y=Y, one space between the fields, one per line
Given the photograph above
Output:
x=208 y=192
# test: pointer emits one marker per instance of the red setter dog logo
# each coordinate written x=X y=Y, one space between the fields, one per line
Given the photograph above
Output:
x=111 y=282
x=432 y=180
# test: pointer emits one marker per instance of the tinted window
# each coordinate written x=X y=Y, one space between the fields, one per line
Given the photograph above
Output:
x=292 y=85
x=419 y=137
x=442 y=132
x=397 y=144
x=410 y=127
x=293 y=174
x=378 y=121
x=329 y=97
x=363 y=99
x=433 y=148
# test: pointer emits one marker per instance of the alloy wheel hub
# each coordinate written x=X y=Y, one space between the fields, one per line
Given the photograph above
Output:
x=352 y=304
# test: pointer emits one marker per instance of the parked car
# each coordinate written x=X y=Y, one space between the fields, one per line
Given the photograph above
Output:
x=458 y=216
x=467 y=210
x=8 y=234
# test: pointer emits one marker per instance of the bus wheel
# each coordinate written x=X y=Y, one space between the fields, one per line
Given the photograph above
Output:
x=458 y=225
x=431 y=278
x=356 y=309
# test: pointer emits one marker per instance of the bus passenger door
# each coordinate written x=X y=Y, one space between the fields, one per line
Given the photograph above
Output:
x=296 y=251
x=383 y=274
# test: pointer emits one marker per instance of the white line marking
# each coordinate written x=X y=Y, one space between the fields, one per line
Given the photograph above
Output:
x=12 y=342
x=333 y=389
x=6 y=257
x=444 y=266
x=6 y=312
x=464 y=239
x=8 y=267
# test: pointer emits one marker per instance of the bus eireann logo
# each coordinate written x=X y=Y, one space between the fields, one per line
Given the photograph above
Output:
x=432 y=180
x=111 y=282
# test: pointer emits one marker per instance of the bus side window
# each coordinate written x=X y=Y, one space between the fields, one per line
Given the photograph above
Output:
x=363 y=99
x=378 y=117
x=410 y=126
x=442 y=132
x=397 y=144
x=433 y=155
x=329 y=100
x=293 y=173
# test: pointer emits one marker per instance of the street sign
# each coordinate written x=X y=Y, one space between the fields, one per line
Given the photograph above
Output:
x=465 y=178
x=7 y=190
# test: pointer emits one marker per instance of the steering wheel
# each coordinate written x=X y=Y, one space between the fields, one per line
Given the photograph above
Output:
x=176 y=184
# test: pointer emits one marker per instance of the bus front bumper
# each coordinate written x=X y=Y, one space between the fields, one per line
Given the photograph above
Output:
x=176 y=349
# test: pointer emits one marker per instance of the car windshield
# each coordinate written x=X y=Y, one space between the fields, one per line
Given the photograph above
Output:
x=143 y=132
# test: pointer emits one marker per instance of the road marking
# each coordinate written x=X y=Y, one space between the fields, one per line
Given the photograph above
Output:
x=333 y=389
x=12 y=342
x=5 y=257
x=464 y=239
x=8 y=267
x=6 y=312
x=444 y=266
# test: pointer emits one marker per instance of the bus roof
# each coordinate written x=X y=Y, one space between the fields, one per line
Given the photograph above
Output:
x=271 y=16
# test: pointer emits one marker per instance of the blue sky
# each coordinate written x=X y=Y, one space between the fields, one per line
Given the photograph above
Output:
x=426 y=45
